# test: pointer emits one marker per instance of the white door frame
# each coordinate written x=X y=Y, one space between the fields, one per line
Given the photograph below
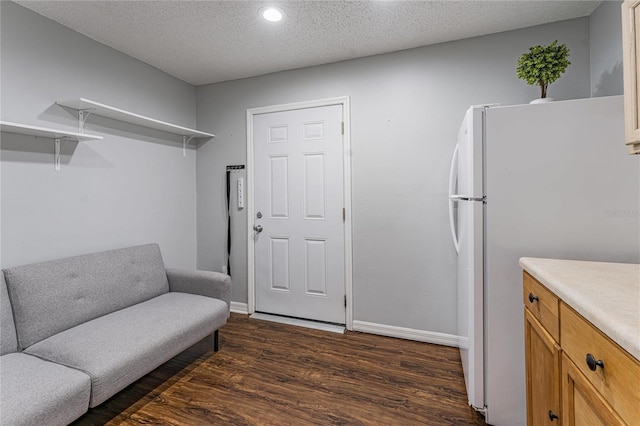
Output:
x=346 y=152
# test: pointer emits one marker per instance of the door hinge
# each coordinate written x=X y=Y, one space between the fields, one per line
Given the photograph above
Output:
x=343 y=127
x=344 y=214
x=345 y=300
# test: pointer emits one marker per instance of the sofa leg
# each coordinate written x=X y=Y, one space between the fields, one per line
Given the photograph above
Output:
x=216 y=344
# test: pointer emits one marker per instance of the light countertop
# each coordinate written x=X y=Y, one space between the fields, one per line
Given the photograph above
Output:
x=606 y=294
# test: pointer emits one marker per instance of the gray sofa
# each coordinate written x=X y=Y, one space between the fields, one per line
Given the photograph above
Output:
x=75 y=331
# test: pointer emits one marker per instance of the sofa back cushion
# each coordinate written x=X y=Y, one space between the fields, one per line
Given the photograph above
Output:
x=51 y=297
x=8 y=340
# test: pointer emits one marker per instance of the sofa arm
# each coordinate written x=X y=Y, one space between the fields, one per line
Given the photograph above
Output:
x=204 y=283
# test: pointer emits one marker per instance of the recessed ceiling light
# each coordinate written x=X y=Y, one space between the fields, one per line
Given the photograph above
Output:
x=272 y=14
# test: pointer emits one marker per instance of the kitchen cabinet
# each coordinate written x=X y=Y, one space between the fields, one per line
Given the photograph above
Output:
x=576 y=375
x=542 y=353
x=582 y=404
x=631 y=63
x=612 y=373
x=542 y=363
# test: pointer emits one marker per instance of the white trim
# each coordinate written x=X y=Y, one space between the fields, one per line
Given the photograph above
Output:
x=251 y=277
x=348 y=252
x=239 y=308
x=407 y=333
x=333 y=328
x=346 y=142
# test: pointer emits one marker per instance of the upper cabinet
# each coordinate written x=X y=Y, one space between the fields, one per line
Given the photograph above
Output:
x=631 y=56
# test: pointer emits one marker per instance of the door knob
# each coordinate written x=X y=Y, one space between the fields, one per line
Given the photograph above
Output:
x=593 y=364
x=257 y=228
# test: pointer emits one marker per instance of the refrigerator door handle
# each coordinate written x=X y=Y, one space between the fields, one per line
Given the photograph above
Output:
x=453 y=176
x=467 y=198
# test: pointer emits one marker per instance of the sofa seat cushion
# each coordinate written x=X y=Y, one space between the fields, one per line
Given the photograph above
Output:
x=37 y=392
x=119 y=348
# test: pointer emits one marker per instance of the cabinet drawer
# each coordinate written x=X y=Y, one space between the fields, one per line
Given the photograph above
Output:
x=542 y=304
x=617 y=379
x=581 y=403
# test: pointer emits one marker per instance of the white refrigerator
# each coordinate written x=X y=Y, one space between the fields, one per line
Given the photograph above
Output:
x=546 y=180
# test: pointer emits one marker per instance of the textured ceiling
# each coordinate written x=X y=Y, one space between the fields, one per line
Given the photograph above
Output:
x=210 y=41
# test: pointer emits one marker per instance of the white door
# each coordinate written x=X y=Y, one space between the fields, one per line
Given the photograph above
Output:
x=470 y=254
x=298 y=186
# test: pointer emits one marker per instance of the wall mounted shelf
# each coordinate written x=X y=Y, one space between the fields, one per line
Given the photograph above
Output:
x=86 y=106
x=43 y=132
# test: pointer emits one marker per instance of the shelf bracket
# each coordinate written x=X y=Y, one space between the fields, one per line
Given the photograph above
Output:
x=83 y=114
x=185 y=142
x=56 y=154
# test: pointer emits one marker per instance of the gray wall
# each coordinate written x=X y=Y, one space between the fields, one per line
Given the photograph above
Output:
x=131 y=188
x=605 y=25
x=135 y=187
x=406 y=108
x=0 y=140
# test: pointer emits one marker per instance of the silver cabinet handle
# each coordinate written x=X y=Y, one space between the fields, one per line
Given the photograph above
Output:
x=257 y=228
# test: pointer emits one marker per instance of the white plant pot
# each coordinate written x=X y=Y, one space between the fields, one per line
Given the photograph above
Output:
x=541 y=100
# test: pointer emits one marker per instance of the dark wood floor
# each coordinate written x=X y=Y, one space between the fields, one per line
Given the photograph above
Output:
x=274 y=374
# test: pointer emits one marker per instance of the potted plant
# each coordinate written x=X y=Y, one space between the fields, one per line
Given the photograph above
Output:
x=543 y=65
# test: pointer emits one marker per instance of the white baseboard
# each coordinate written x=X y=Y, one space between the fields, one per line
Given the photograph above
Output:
x=384 y=330
x=406 y=333
x=239 y=308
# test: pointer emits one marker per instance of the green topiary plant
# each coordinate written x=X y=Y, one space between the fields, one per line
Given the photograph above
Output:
x=543 y=65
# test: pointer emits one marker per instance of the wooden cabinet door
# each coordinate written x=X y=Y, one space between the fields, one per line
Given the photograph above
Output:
x=581 y=402
x=631 y=63
x=542 y=359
